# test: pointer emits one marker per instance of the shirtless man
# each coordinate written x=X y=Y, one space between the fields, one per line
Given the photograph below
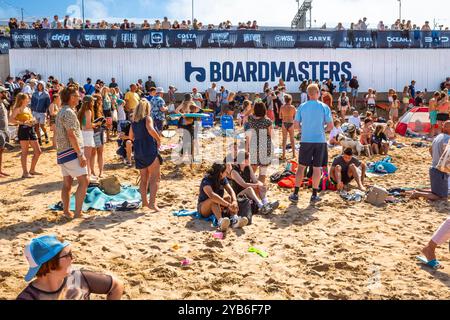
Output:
x=345 y=168
x=287 y=114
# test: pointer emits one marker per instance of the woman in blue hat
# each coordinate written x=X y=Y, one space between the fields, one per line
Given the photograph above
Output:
x=51 y=263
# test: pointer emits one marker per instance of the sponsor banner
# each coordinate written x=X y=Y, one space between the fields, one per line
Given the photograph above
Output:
x=4 y=45
x=227 y=39
x=264 y=71
x=317 y=39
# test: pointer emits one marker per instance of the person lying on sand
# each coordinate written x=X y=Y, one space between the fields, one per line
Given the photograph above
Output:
x=245 y=183
x=211 y=199
x=345 y=168
x=50 y=262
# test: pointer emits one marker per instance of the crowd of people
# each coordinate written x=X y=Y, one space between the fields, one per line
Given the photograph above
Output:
x=164 y=24
x=398 y=25
x=83 y=118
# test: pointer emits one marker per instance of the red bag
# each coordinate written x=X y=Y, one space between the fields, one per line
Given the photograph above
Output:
x=288 y=182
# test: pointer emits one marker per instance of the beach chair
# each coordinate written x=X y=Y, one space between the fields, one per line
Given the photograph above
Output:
x=208 y=122
x=226 y=123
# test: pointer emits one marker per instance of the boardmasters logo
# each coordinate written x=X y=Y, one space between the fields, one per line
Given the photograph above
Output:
x=262 y=71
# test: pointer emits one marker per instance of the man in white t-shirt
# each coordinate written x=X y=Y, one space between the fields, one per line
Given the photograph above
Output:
x=355 y=120
x=197 y=97
x=30 y=87
x=211 y=96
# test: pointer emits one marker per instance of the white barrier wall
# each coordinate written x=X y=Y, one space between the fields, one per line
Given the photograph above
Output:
x=376 y=68
x=4 y=66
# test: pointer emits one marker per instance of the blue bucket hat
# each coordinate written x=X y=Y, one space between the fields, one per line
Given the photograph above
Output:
x=40 y=250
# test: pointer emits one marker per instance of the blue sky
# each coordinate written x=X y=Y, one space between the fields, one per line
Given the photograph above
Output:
x=266 y=12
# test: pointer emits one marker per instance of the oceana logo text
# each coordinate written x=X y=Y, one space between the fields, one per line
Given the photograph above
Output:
x=262 y=71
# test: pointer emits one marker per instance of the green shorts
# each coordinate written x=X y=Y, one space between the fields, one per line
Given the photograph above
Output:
x=433 y=117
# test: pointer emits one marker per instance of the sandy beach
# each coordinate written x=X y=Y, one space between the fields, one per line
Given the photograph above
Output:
x=335 y=250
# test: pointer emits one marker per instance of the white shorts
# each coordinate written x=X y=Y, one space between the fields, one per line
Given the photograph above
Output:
x=73 y=169
x=40 y=117
x=88 y=138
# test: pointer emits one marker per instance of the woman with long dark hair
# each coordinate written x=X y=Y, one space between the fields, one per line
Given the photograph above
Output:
x=245 y=184
x=86 y=119
x=99 y=139
x=212 y=199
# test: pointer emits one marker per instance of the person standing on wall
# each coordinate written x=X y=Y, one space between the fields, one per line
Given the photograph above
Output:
x=354 y=85
x=312 y=116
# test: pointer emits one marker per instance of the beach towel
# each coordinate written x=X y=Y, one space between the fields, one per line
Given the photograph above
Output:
x=196 y=215
x=98 y=200
x=384 y=166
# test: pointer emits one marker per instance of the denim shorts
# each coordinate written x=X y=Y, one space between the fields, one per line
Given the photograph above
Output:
x=439 y=183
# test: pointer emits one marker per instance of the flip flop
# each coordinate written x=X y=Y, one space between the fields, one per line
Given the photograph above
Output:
x=435 y=264
x=258 y=251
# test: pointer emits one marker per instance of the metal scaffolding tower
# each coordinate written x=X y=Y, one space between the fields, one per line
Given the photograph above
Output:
x=301 y=18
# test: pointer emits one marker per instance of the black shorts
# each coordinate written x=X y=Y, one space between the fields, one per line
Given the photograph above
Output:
x=26 y=133
x=107 y=113
x=313 y=154
x=442 y=117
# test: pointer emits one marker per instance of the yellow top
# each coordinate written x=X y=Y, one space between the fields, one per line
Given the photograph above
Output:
x=24 y=116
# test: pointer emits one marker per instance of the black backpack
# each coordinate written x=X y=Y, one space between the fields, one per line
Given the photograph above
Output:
x=247 y=208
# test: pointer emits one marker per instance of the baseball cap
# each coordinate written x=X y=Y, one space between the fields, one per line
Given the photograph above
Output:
x=3 y=89
x=40 y=250
x=159 y=90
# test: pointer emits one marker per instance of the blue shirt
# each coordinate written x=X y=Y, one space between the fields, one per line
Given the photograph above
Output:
x=157 y=103
x=219 y=189
x=313 y=116
x=343 y=86
x=413 y=91
x=89 y=89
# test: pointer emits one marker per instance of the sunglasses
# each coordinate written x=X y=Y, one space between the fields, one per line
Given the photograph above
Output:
x=70 y=254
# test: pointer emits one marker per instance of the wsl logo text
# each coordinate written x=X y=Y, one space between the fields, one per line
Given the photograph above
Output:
x=263 y=71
